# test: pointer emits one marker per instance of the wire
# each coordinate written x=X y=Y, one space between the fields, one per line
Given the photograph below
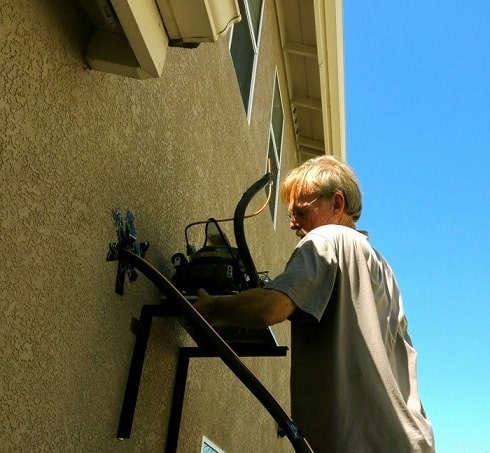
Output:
x=248 y=216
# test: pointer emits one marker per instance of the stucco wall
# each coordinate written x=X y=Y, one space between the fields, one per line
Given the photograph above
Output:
x=76 y=143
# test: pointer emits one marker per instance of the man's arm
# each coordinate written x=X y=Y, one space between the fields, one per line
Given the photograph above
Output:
x=254 y=308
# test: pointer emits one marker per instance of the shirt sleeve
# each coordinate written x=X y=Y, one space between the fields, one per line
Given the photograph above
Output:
x=309 y=276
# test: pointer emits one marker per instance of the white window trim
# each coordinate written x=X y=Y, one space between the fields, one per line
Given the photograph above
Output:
x=278 y=155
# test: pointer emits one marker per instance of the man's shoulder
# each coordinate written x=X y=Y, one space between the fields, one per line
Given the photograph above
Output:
x=337 y=232
x=339 y=239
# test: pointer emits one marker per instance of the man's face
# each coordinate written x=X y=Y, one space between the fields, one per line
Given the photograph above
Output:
x=309 y=211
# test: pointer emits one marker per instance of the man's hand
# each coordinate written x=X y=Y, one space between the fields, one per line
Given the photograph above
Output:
x=204 y=305
x=254 y=308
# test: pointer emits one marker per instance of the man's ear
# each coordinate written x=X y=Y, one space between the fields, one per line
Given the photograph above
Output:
x=338 y=202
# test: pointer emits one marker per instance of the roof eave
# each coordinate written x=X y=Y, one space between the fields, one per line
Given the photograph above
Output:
x=314 y=94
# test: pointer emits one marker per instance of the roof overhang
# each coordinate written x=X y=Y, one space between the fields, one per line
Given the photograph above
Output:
x=312 y=42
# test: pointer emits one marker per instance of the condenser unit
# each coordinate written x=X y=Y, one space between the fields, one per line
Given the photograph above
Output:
x=131 y=37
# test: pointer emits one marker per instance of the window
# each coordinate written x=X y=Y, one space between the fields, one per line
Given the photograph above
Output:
x=209 y=447
x=244 y=48
x=275 y=145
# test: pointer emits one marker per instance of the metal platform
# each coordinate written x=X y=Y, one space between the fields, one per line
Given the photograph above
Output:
x=244 y=342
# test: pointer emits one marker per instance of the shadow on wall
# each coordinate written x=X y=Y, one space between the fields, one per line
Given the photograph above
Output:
x=73 y=22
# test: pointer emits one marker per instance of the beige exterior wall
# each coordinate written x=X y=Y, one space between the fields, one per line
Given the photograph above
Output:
x=76 y=143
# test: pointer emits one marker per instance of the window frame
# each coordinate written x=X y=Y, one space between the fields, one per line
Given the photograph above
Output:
x=255 y=40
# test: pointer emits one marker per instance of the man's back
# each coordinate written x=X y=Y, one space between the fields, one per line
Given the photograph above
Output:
x=353 y=377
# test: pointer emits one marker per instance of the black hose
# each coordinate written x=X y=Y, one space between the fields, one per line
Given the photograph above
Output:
x=238 y=227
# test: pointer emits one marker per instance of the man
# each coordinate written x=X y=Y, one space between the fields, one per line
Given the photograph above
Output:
x=353 y=376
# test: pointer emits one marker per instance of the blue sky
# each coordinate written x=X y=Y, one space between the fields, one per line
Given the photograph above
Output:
x=418 y=135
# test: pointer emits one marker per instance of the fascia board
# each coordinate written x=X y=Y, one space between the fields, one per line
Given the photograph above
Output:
x=329 y=33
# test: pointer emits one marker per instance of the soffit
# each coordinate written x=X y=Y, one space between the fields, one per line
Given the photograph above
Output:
x=312 y=43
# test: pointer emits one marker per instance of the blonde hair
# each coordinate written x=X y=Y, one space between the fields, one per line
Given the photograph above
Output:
x=324 y=176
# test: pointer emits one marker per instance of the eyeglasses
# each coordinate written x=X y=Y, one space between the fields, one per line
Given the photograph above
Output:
x=300 y=212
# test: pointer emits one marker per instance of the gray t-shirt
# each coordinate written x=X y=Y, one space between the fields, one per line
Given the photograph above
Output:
x=353 y=367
